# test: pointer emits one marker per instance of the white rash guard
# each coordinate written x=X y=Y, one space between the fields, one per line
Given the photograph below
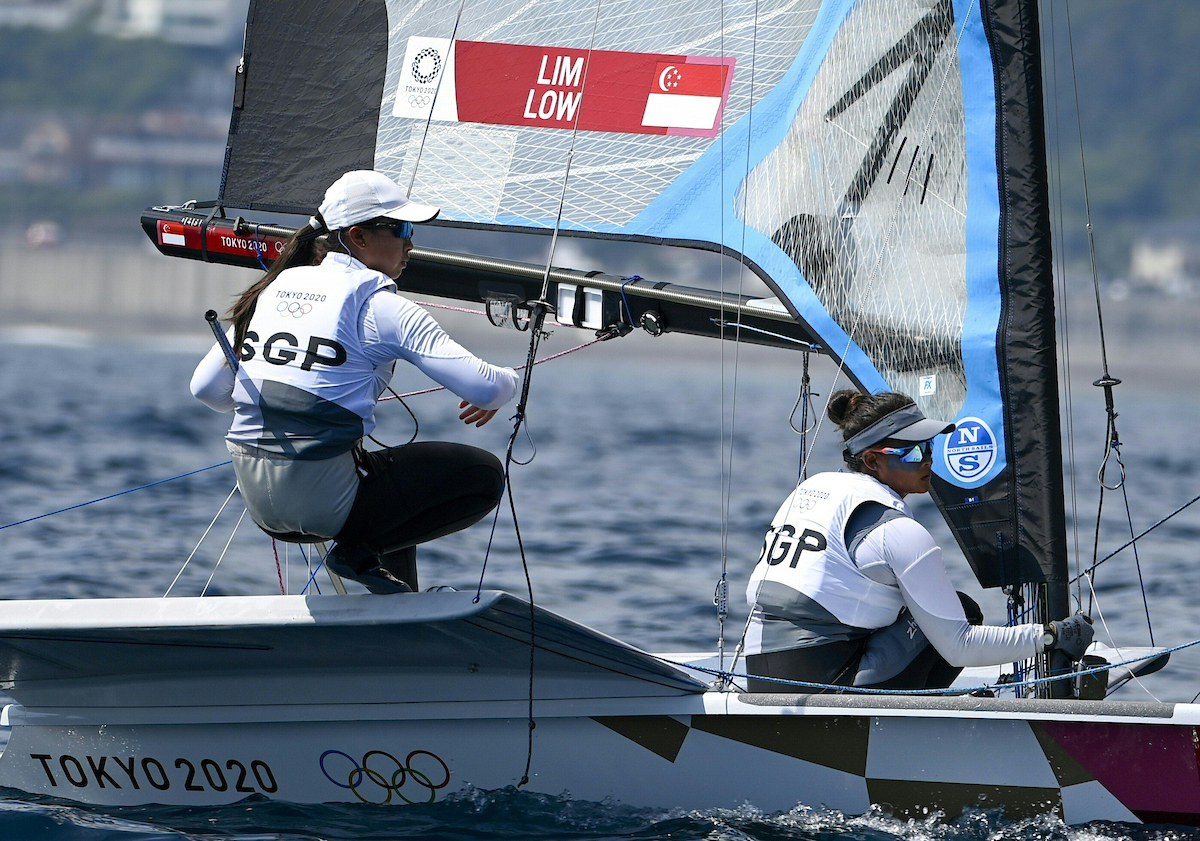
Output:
x=308 y=484
x=915 y=560
x=391 y=327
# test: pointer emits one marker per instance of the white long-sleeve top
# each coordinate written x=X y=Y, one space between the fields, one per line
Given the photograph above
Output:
x=909 y=554
x=307 y=481
x=391 y=327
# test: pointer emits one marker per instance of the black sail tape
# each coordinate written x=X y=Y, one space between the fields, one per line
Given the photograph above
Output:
x=579 y=311
x=204 y=232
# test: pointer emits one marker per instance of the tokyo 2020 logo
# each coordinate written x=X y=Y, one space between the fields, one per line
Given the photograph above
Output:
x=425 y=65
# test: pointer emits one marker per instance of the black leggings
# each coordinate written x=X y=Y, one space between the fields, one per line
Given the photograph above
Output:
x=416 y=493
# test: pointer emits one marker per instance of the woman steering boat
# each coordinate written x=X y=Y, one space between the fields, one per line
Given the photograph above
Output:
x=317 y=346
x=851 y=590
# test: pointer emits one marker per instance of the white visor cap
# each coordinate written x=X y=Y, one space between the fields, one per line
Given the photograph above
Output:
x=363 y=194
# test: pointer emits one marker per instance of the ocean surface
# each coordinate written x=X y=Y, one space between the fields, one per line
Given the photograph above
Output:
x=624 y=512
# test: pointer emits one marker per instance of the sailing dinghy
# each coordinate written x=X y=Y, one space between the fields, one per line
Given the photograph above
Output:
x=880 y=165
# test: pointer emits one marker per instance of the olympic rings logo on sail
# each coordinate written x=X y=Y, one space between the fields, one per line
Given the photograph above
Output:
x=418 y=100
x=381 y=784
x=294 y=309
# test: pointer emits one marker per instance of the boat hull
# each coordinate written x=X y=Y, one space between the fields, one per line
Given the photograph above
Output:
x=411 y=699
x=715 y=750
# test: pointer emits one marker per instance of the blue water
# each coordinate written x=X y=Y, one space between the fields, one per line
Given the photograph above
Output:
x=623 y=518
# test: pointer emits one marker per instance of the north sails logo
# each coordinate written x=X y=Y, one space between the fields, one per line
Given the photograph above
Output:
x=970 y=450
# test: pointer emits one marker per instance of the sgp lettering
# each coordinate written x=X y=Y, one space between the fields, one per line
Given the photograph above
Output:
x=283 y=348
x=782 y=544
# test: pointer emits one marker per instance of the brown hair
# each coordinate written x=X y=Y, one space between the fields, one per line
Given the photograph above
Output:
x=303 y=249
x=854 y=411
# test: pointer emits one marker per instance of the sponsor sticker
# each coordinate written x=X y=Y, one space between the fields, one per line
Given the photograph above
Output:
x=970 y=450
x=427 y=72
x=187 y=235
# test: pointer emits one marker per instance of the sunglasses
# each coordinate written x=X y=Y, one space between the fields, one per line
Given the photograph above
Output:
x=400 y=230
x=912 y=454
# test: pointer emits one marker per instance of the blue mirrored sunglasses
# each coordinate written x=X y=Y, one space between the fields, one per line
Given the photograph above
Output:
x=912 y=454
x=400 y=230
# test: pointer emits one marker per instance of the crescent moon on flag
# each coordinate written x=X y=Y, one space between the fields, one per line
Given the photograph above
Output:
x=662 y=77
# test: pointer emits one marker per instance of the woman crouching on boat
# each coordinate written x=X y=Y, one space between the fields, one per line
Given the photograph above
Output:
x=317 y=347
x=851 y=590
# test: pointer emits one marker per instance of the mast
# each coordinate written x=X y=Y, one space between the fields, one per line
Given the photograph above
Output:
x=1031 y=546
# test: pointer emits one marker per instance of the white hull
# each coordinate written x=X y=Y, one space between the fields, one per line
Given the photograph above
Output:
x=286 y=718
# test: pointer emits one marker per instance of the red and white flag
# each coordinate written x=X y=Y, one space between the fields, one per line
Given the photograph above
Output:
x=685 y=96
x=172 y=233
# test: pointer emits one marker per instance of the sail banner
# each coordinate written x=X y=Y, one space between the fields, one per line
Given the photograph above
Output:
x=846 y=150
x=542 y=87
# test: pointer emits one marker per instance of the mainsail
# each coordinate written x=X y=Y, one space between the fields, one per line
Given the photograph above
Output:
x=878 y=163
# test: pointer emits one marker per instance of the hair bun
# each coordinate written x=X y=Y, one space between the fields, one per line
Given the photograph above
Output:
x=842 y=405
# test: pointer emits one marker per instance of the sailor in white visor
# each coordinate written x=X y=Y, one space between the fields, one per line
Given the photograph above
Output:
x=850 y=590
x=317 y=339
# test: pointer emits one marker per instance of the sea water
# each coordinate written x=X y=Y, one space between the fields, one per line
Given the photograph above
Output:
x=651 y=457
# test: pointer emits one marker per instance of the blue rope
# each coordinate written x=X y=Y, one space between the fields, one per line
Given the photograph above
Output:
x=624 y=300
x=312 y=578
x=118 y=493
x=727 y=677
x=1129 y=543
x=258 y=253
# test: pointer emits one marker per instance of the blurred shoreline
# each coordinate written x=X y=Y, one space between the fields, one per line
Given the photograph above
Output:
x=78 y=295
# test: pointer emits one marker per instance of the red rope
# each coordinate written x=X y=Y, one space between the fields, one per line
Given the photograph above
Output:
x=278 y=568
x=558 y=355
x=448 y=307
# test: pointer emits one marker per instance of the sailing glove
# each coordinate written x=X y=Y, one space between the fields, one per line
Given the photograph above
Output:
x=1071 y=636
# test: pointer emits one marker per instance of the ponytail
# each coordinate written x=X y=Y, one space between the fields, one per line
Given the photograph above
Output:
x=298 y=251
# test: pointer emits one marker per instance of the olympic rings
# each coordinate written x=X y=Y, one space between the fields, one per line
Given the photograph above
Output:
x=394 y=785
x=418 y=101
x=294 y=309
x=428 y=75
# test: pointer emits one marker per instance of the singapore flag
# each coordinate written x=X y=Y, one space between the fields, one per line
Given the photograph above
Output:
x=686 y=96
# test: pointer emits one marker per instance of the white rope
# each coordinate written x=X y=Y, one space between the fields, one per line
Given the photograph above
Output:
x=1107 y=630
x=223 y=551
x=436 y=90
x=206 y=531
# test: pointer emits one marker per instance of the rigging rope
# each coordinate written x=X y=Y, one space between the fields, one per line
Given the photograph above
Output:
x=200 y=541
x=1063 y=311
x=539 y=310
x=604 y=336
x=721 y=595
x=1131 y=542
x=1112 y=444
x=236 y=526
x=727 y=677
x=436 y=90
x=312 y=573
x=111 y=496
